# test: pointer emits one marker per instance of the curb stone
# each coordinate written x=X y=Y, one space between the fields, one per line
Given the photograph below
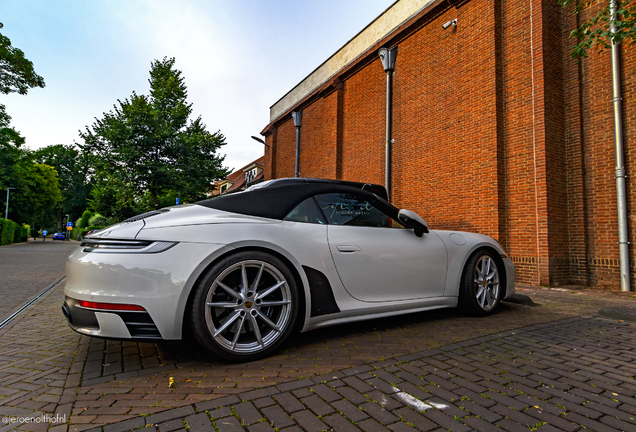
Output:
x=621 y=313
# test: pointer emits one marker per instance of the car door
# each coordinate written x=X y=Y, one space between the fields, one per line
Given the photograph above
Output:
x=377 y=260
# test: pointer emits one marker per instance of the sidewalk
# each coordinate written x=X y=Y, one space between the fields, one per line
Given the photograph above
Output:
x=549 y=367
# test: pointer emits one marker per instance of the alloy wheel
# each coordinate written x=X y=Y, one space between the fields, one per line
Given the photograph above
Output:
x=486 y=279
x=248 y=307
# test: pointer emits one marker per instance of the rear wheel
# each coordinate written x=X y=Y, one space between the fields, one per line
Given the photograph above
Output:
x=482 y=284
x=245 y=306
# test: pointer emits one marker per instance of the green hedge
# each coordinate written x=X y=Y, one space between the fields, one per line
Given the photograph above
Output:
x=17 y=233
x=6 y=232
x=10 y=232
x=82 y=231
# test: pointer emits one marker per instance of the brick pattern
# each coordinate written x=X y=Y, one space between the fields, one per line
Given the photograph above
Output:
x=497 y=130
x=568 y=375
x=40 y=363
x=45 y=367
x=46 y=265
x=597 y=143
x=59 y=377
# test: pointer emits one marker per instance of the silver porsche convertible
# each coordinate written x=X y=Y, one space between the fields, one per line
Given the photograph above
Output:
x=242 y=271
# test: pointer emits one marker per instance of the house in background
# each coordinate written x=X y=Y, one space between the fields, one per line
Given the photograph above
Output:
x=241 y=179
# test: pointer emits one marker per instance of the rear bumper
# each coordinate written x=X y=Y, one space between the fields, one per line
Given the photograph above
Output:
x=127 y=325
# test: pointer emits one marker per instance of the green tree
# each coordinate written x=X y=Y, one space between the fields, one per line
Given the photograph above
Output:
x=73 y=172
x=150 y=145
x=37 y=194
x=595 y=33
x=114 y=199
x=83 y=223
x=16 y=72
x=16 y=76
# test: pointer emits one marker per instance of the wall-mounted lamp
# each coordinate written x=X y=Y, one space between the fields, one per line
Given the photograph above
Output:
x=260 y=141
x=450 y=23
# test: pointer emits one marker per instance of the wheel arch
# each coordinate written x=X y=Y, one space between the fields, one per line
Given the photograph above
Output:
x=497 y=256
x=300 y=318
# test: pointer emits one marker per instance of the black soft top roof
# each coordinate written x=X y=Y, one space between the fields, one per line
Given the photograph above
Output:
x=276 y=198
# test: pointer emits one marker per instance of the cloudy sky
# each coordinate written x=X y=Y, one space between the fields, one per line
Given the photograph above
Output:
x=238 y=58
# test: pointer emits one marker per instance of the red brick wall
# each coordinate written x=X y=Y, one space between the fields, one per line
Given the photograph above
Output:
x=578 y=218
x=595 y=92
x=363 y=125
x=519 y=215
x=445 y=152
x=496 y=131
x=285 y=161
x=318 y=138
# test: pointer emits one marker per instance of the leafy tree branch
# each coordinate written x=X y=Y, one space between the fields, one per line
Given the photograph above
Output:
x=596 y=33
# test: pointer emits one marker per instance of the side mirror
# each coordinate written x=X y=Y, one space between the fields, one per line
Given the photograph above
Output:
x=413 y=220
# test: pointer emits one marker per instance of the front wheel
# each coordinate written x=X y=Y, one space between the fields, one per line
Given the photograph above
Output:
x=245 y=306
x=482 y=284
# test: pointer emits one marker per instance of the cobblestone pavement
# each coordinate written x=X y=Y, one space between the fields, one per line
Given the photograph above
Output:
x=27 y=268
x=549 y=367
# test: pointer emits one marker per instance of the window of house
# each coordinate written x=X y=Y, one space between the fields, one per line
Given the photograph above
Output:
x=250 y=175
x=224 y=188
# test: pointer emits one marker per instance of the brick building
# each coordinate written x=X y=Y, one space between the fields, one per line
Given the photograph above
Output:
x=496 y=130
x=241 y=179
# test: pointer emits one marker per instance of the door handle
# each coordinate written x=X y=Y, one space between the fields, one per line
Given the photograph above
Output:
x=348 y=248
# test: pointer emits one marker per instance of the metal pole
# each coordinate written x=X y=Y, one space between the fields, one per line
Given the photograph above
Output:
x=6 y=210
x=623 y=239
x=387 y=56
x=296 y=170
x=298 y=120
x=389 y=140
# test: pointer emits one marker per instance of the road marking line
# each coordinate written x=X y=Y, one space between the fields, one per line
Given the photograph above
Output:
x=416 y=403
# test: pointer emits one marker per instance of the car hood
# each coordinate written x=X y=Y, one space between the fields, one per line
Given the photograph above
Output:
x=188 y=214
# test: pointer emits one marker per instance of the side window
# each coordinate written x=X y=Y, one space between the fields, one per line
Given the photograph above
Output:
x=308 y=212
x=348 y=209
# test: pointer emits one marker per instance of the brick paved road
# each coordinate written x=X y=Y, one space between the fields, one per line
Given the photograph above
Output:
x=447 y=367
x=568 y=375
x=28 y=268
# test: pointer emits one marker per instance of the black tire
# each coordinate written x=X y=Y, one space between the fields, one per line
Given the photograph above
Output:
x=250 y=322
x=480 y=295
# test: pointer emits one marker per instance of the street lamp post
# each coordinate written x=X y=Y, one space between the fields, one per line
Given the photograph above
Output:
x=260 y=141
x=298 y=121
x=68 y=234
x=6 y=211
x=388 y=62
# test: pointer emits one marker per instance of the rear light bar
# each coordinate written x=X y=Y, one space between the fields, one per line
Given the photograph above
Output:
x=99 y=245
x=110 y=306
